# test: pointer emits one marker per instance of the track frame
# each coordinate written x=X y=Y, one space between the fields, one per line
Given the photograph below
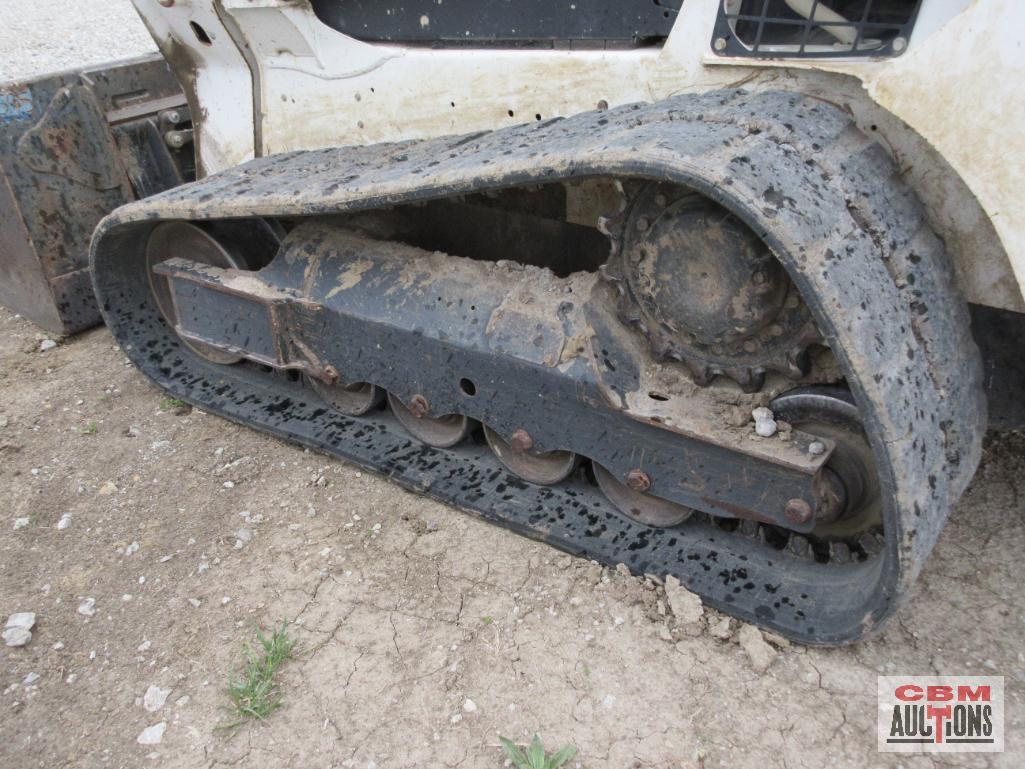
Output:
x=827 y=201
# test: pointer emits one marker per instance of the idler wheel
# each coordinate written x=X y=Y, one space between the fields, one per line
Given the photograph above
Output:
x=181 y=239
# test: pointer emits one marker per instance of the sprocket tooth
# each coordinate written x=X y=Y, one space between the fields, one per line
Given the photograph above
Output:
x=798 y=362
x=749 y=528
x=700 y=373
x=839 y=552
x=800 y=547
x=749 y=379
x=870 y=543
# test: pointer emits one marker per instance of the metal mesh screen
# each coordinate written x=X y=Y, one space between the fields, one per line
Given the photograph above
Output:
x=813 y=28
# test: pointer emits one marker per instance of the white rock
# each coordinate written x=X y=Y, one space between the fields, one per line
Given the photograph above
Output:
x=765 y=424
x=152 y=735
x=144 y=646
x=154 y=698
x=88 y=607
x=22 y=619
x=47 y=344
x=195 y=603
x=58 y=646
x=132 y=548
x=456 y=718
x=21 y=523
x=758 y=651
x=64 y=522
x=30 y=679
x=721 y=629
x=229 y=484
x=16 y=636
x=686 y=606
x=470 y=706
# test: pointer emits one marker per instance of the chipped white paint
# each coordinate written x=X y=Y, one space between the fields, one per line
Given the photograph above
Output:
x=956 y=87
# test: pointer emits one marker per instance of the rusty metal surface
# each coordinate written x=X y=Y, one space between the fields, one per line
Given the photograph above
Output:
x=432 y=327
x=886 y=306
x=62 y=169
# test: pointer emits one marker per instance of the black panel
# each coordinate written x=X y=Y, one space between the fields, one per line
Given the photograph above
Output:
x=501 y=23
x=1000 y=335
x=828 y=28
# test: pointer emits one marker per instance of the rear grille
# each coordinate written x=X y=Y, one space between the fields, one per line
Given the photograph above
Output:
x=805 y=29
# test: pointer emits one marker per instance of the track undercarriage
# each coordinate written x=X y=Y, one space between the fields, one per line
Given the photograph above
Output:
x=565 y=328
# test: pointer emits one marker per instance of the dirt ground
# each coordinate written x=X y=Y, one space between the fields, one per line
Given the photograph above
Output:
x=189 y=533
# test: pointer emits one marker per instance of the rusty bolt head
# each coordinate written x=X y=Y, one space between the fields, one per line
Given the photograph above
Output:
x=418 y=406
x=638 y=480
x=329 y=375
x=797 y=511
x=521 y=442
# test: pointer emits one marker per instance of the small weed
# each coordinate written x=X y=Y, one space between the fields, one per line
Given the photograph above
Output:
x=487 y=620
x=91 y=428
x=252 y=691
x=171 y=404
x=535 y=756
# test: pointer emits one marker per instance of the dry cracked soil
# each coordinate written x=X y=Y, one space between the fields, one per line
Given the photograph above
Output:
x=422 y=633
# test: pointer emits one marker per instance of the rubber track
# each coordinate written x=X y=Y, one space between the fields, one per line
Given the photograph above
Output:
x=825 y=198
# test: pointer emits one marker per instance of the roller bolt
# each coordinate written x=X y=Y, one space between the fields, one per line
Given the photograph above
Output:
x=797 y=511
x=418 y=406
x=521 y=442
x=638 y=480
x=329 y=375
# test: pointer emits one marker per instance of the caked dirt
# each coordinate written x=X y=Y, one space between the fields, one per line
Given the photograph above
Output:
x=423 y=633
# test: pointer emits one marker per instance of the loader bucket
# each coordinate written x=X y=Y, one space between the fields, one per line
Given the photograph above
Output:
x=74 y=146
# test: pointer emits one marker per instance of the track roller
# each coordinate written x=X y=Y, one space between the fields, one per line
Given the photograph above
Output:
x=638 y=506
x=441 y=432
x=352 y=399
x=540 y=468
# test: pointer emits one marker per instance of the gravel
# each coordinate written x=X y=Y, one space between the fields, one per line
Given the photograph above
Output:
x=18 y=630
x=47 y=36
x=155 y=698
x=754 y=645
x=152 y=735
